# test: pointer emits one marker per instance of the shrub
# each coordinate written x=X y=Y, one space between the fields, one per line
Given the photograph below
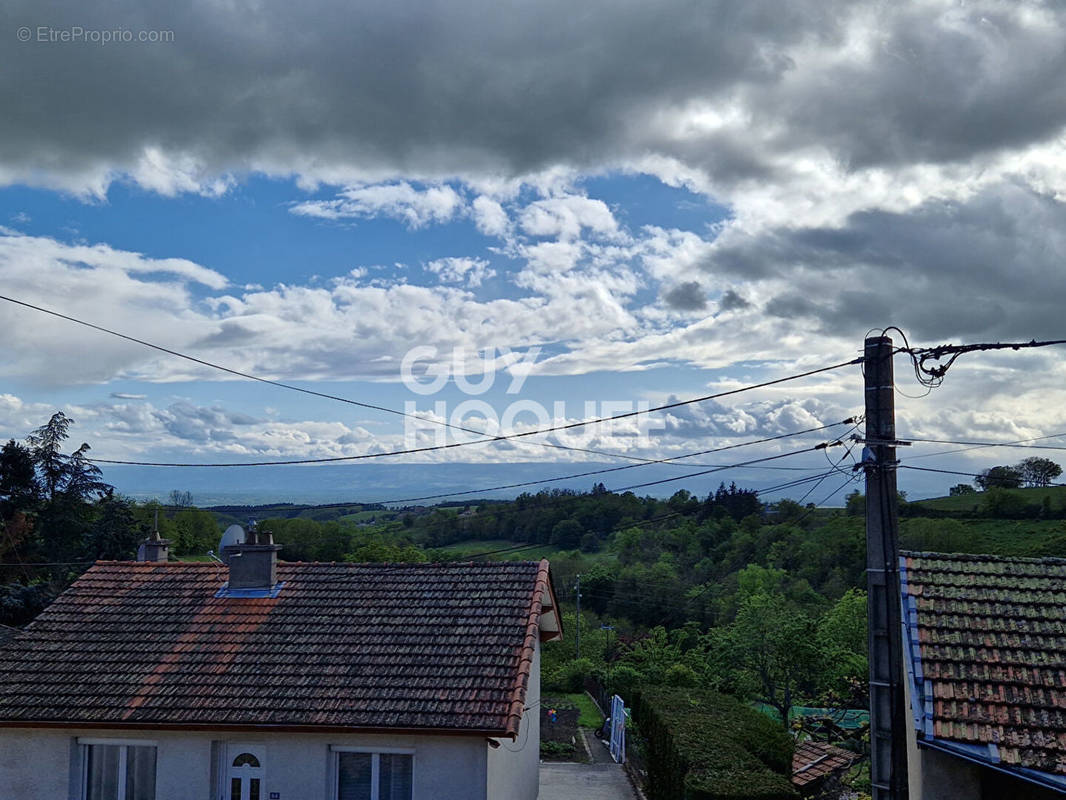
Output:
x=708 y=746
x=682 y=675
x=570 y=677
x=557 y=750
x=623 y=681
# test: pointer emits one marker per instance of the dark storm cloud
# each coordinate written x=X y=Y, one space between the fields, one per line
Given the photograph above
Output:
x=395 y=86
x=991 y=265
x=688 y=296
x=940 y=84
x=731 y=301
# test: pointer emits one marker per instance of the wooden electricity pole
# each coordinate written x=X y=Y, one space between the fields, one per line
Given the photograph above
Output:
x=888 y=717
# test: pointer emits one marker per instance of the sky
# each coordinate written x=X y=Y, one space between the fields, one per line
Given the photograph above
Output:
x=528 y=214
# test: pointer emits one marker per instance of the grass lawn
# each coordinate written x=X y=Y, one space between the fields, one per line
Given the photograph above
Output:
x=590 y=715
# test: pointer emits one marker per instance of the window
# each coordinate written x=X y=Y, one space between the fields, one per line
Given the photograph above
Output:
x=117 y=770
x=365 y=775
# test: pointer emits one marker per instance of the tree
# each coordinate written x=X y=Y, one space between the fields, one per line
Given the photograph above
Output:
x=46 y=449
x=114 y=534
x=180 y=499
x=733 y=502
x=773 y=650
x=566 y=534
x=842 y=635
x=1038 y=471
x=960 y=489
x=83 y=477
x=1002 y=477
x=855 y=504
x=19 y=490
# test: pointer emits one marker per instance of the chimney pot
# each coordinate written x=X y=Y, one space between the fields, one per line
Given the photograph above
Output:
x=253 y=565
x=154 y=549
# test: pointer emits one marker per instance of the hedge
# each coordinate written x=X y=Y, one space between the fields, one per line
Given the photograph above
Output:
x=707 y=746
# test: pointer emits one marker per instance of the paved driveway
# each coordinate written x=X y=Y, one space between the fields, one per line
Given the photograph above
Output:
x=584 y=782
x=601 y=780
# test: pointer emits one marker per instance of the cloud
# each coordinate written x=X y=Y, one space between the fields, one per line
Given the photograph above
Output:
x=976 y=268
x=688 y=296
x=731 y=301
x=416 y=208
x=736 y=100
x=490 y=217
x=568 y=217
x=468 y=271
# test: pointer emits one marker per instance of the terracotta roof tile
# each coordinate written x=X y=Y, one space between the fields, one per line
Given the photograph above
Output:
x=812 y=761
x=419 y=646
x=991 y=634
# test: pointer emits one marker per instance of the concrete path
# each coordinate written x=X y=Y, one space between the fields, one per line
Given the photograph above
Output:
x=584 y=782
x=601 y=780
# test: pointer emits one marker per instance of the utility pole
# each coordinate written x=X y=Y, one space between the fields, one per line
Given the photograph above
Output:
x=578 y=592
x=888 y=717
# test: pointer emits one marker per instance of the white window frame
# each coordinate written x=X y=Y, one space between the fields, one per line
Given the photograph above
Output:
x=375 y=765
x=85 y=742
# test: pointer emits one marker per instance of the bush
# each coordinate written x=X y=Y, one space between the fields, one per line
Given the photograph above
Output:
x=570 y=677
x=682 y=675
x=707 y=746
x=623 y=680
x=557 y=751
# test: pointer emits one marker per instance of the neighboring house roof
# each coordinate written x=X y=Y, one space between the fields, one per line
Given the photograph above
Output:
x=985 y=648
x=414 y=647
x=813 y=761
x=6 y=633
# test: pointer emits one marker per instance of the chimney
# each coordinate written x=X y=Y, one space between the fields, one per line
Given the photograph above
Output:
x=153 y=548
x=253 y=565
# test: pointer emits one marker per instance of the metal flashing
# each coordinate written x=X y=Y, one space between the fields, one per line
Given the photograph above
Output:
x=273 y=591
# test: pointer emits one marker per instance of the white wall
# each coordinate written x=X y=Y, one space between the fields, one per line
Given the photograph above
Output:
x=36 y=764
x=513 y=768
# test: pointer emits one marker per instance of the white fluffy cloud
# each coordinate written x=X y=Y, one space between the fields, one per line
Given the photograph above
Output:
x=414 y=207
x=468 y=271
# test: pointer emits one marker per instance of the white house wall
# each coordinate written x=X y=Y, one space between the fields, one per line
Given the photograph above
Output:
x=39 y=764
x=513 y=767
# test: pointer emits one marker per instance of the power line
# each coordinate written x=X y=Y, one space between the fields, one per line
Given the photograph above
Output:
x=1018 y=443
x=484 y=441
x=648 y=463
x=292 y=387
x=965 y=474
x=933 y=376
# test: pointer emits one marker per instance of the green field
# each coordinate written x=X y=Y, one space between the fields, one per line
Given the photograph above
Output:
x=1003 y=537
x=366 y=516
x=964 y=503
x=477 y=546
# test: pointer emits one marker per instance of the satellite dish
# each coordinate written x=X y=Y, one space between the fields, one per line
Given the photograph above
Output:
x=234 y=535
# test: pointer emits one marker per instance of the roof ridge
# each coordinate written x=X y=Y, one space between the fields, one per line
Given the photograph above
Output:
x=978 y=557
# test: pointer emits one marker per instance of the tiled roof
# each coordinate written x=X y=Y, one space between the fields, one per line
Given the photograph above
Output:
x=369 y=646
x=812 y=761
x=987 y=655
x=7 y=633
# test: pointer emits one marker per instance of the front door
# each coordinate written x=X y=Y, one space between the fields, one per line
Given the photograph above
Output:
x=245 y=771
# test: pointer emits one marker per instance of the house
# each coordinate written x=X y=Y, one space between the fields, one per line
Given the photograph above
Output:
x=984 y=646
x=6 y=632
x=267 y=680
x=817 y=767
